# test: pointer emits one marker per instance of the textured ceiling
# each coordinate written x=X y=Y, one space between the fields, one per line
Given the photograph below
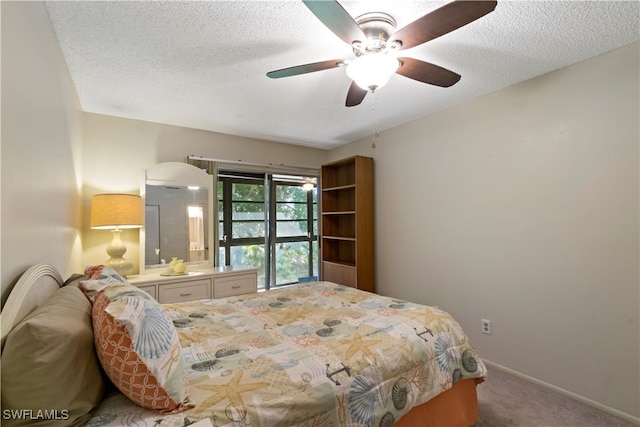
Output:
x=203 y=64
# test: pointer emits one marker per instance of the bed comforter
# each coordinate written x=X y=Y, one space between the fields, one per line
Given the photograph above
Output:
x=319 y=354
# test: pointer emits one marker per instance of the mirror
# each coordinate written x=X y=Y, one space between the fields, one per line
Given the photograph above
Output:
x=178 y=200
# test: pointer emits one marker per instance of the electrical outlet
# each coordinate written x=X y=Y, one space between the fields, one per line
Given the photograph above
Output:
x=486 y=326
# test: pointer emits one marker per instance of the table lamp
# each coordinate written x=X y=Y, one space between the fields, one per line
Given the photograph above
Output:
x=116 y=212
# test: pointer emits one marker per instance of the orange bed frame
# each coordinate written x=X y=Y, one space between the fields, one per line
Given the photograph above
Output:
x=456 y=407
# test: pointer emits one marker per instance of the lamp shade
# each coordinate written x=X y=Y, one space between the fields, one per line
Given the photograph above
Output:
x=373 y=71
x=109 y=211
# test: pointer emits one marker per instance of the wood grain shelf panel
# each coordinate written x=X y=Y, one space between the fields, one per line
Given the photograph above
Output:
x=347 y=222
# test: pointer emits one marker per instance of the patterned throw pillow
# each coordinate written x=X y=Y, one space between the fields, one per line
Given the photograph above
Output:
x=137 y=343
x=106 y=274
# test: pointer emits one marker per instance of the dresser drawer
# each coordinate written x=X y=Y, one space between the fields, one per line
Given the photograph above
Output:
x=238 y=284
x=184 y=291
x=150 y=289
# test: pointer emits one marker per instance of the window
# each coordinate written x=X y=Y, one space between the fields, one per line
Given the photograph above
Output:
x=269 y=222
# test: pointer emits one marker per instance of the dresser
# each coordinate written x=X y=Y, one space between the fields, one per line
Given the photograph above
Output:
x=215 y=282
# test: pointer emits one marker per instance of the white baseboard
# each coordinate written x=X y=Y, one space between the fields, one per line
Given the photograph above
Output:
x=567 y=393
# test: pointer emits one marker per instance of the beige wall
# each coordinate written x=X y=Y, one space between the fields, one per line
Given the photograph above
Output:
x=116 y=151
x=522 y=207
x=41 y=174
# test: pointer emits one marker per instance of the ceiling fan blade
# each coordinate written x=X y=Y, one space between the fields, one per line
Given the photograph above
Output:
x=305 y=68
x=334 y=17
x=442 y=21
x=426 y=72
x=355 y=95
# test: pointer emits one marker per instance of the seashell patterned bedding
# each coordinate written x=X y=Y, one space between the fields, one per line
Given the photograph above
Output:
x=318 y=354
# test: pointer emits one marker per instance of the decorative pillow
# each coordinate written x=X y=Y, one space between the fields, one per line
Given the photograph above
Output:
x=107 y=274
x=137 y=345
x=49 y=363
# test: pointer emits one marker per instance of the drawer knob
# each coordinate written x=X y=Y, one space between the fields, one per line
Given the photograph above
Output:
x=185 y=293
x=235 y=286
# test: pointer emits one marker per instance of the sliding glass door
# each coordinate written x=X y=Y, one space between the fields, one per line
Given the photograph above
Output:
x=294 y=231
x=268 y=222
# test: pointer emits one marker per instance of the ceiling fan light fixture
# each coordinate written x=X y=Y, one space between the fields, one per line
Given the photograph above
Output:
x=371 y=72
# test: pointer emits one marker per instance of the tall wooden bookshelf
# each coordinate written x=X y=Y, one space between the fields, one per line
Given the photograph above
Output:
x=347 y=223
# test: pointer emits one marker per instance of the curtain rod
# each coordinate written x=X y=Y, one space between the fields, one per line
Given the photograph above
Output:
x=265 y=165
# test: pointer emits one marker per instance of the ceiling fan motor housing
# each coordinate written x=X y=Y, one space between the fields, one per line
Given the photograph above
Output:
x=377 y=27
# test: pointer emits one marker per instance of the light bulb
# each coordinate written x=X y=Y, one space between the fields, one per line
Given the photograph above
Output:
x=372 y=71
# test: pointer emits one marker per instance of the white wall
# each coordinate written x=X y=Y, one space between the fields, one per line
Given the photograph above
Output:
x=40 y=172
x=116 y=151
x=522 y=207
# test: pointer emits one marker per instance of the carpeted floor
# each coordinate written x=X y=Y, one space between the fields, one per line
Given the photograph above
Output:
x=509 y=401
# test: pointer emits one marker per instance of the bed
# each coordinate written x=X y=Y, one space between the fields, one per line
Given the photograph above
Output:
x=316 y=354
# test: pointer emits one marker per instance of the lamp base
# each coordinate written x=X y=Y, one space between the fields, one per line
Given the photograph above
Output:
x=116 y=249
x=122 y=266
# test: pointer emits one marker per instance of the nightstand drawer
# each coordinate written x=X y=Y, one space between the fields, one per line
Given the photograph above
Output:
x=184 y=291
x=235 y=285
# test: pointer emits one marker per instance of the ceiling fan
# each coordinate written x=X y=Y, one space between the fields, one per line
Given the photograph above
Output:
x=374 y=40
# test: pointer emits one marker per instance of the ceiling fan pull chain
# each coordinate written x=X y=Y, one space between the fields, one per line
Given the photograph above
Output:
x=374 y=133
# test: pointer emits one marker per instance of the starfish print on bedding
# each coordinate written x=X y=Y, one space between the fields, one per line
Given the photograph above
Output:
x=295 y=313
x=358 y=344
x=437 y=321
x=231 y=391
x=433 y=316
x=195 y=335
